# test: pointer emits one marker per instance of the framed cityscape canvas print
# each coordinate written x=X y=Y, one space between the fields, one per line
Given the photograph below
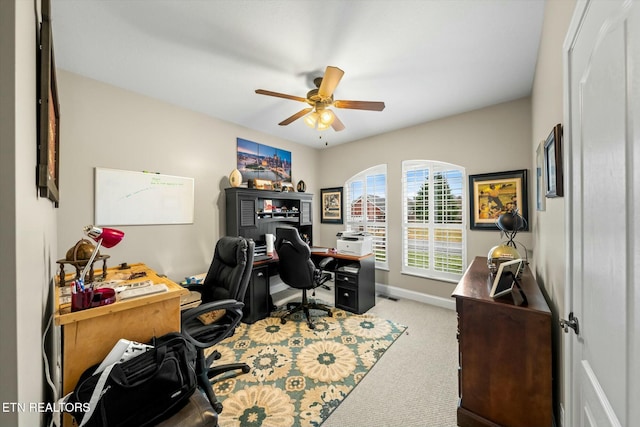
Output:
x=259 y=161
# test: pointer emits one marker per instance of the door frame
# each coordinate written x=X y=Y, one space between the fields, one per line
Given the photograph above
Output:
x=566 y=411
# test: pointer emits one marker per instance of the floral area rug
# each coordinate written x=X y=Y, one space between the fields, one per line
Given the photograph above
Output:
x=298 y=375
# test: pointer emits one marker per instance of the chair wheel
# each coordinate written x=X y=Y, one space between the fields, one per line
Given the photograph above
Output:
x=218 y=407
x=246 y=369
x=311 y=326
x=330 y=314
x=283 y=320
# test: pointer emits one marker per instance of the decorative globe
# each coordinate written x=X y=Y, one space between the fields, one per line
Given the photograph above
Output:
x=511 y=221
x=81 y=251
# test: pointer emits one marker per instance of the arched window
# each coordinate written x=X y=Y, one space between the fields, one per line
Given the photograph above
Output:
x=434 y=225
x=366 y=208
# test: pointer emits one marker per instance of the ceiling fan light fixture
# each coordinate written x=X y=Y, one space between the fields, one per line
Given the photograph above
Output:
x=311 y=119
x=327 y=117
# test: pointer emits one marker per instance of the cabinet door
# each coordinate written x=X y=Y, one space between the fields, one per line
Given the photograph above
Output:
x=306 y=214
x=256 y=300
x=247 y=212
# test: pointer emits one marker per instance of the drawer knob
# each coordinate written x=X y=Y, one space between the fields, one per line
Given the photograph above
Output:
x=346 y=294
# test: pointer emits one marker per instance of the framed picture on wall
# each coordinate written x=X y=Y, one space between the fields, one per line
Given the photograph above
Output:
x=541 y=200
x=48 y=114
x=553 y=162
x=331 y=205
x=492 y=194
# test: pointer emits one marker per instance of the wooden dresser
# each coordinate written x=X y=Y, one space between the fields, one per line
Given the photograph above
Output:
x=504 y=374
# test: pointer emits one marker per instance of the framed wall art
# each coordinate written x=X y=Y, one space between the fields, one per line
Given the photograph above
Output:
x=331 y=205
x=492 y=194
x=48 y=169
x=540 y=181
x=553 y=162
x=262 y=162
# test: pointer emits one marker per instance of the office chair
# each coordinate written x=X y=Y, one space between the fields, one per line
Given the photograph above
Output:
x=222 y=292
x=298 y=271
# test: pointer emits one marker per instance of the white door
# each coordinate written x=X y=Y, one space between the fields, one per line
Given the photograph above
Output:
x=602 y=134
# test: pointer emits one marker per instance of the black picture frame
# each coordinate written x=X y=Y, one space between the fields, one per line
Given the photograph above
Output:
x=540 y=179
x=553 y=163
x=48 y=168
x=492 y=194
x=331 y=205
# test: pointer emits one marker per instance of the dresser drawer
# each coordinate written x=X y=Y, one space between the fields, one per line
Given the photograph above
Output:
x=347 y=298
x=345 y=279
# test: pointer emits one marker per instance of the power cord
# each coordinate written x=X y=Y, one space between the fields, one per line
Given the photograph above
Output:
x=55 y=415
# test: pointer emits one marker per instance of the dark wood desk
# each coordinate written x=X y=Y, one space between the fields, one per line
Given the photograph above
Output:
x=354 y=289
x=504 y=373
x=355 y=280
x=257 y=300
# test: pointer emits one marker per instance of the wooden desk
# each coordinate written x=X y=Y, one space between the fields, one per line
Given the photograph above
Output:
x=89 y=335
x=504 y=374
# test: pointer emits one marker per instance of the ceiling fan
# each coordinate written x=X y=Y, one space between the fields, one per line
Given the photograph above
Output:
x=318 y=115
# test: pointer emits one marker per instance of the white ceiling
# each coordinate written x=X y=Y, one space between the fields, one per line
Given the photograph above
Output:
x=426 y=59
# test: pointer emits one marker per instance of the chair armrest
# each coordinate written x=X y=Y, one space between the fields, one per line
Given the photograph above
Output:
x=194 y=287
x=227 y=304
x=325 y=261
x=204 y=336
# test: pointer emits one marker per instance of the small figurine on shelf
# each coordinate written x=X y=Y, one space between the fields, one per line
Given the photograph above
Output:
x=302 y=187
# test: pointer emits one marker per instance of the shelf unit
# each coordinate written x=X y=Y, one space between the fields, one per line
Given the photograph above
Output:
x=247 y=217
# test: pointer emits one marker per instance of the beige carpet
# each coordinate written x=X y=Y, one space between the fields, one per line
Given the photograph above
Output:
x=415 y=384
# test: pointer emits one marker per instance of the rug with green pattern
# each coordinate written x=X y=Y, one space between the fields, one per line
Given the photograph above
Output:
x=298 y=375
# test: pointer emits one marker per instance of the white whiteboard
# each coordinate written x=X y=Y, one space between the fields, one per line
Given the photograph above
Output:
x=140 y=198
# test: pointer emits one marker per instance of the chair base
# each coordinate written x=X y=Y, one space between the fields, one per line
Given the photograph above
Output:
x=205 y=375
x=305 y=306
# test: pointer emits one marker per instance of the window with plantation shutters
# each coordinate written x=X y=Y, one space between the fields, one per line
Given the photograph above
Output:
x=433 y=229
x=365 y=196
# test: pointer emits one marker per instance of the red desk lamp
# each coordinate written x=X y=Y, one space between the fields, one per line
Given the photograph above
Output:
x=107 y=237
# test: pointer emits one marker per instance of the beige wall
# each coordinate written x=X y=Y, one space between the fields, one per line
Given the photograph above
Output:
x=491 y=139
x=28 y=223
x=111 y=127
x=103 y=126
x=549 y=227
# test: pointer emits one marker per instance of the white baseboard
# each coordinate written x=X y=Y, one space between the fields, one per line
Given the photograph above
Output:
x=392 y=291
x=277 y=285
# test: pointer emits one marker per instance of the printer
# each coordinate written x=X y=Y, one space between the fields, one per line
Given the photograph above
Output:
x=356 y=243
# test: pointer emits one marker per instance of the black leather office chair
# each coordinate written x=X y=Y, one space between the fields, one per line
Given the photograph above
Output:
x=220 y=313
x=298 y=271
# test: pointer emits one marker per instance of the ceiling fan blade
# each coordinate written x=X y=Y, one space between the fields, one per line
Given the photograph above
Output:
x=337 y=125
x=280 y=95
x=330 y=81
x=296 y=116
x=360 y=105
